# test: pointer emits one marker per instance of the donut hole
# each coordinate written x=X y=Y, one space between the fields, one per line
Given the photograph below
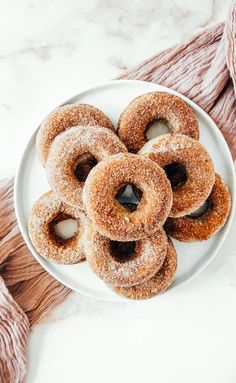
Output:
x=120 y=193
x=130 y=206
x=138 y=193
x=126 y=195
x=84 y=164
x=157 y=128
x=176 y=173
x=201 y=210
x=123 y=251
x=64 y=227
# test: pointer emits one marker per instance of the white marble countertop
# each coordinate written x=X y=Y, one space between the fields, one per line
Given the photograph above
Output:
x=50 y=50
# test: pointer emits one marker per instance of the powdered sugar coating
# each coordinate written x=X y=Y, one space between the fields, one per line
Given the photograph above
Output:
x=135 y=119
x=46 y=243
x=149 y=257
x=191 y=154
x=65 y=151
x=189 y=229
x=112 y=219
x=156 y=284
x=64 y=118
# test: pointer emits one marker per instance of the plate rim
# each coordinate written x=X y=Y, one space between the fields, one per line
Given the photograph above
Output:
x=72 y=100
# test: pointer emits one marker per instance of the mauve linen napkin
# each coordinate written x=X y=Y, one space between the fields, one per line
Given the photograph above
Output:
x=203 y=69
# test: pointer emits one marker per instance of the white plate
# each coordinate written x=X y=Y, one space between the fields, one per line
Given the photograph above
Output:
x=31 y=182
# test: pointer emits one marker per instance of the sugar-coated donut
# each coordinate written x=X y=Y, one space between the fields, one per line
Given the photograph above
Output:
x=199 y=228
x=66 y=117
x=156 y=284
x=72 y=155
x=125 y=263
x=112 y=219
x=173 y=151
x=47 y=211
x=143 y=110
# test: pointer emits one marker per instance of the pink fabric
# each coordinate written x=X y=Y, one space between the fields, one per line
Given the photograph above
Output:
x=27 y=292
x=14 y=331
x=204 y=69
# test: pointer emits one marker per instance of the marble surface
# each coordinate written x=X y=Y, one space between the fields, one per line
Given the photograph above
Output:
x=49 y=50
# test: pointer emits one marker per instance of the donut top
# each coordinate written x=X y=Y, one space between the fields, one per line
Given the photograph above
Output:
x=192 y=156
x=135 y=119
x=66 y=117
x=111 y=218
x=47 y=208
x=46 y=212
x=168 y=144
x=97 y=141
x=78 y=148
x=203 y=226
x=146 y=255
x=156 y=284
x=166 y=147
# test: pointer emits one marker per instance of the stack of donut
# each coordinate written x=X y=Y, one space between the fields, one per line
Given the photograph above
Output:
x=89 y=163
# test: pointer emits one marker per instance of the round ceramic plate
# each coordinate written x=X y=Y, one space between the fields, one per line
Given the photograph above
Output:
x=31 y=182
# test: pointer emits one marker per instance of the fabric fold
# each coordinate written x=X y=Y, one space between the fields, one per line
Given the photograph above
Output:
x=14 y=332
x=27 y=292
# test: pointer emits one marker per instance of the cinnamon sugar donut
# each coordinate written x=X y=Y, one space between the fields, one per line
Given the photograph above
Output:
x=143 y=110
x=112 y=219
x=186 y=156
x=72 y=155
x=125 y=263
x=46 y=212
x=66 y=117
x=156 y=284
x=199 y=228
